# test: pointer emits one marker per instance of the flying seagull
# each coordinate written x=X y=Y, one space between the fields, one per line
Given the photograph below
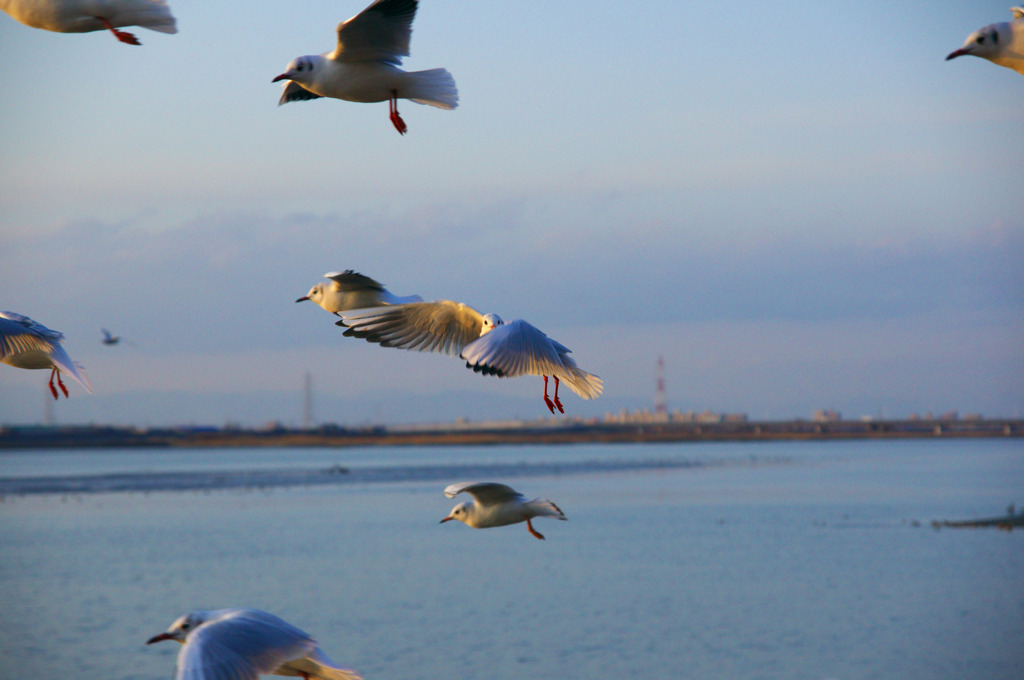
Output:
x=351 y=290
x=1001 y=43
x=25 y=343
x=487 y=344
x=496 y=505
x=364 y=67
x=84 y=16
x=242 y=644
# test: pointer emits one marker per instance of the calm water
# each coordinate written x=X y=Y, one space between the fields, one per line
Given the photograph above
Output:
x=795 y=560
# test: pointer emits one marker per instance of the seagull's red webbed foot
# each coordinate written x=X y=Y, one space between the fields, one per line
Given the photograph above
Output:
x=123 y=36
x=547 y=400
x=558 y=402
x=532 y=530
x=53 y=389
x=396 y=119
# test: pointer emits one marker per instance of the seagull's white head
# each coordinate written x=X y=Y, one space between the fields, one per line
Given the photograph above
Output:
x=302 y=70
x=982 y=43
x=459 y=512
x=316 y=294
x=491 y=321
x=180 y=629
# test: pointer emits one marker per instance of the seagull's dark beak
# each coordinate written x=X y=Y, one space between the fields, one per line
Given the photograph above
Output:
x=303 y=298
x=284 y=76
x=159 y=638
x=445 y=520
x=957 y=53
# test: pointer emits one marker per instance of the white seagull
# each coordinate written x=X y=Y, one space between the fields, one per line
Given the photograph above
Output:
x=84 y=16
x=351 y=290
x=496 y=505
x=488 y=344
x=364 y=67
x=242 y=644
x=25 y=343
x=1001 y=43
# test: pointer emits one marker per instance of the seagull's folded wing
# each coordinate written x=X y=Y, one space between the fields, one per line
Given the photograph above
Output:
x=349 y=280
x=381 y=32
x=440 y=326
x=485 y=493
x=241 y=646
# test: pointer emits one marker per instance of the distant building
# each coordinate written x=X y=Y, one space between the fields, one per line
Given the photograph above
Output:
x=826 y=415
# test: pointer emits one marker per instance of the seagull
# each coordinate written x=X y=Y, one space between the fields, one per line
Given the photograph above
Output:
x=1001 y=43
x=364 y=67
x=495 y=505
x=350 y=290
x=242 y=644
x=109 y=339
x=25 y=343
x=84 y=16
x=488 y=344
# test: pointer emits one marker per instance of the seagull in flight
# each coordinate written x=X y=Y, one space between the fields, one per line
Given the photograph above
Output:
x=364 y=67
x=1001 y=43
x=25 y=343
x=496 y=505
x=242 y=644
x=351 y=290
x=84 y=16
x=486 y=343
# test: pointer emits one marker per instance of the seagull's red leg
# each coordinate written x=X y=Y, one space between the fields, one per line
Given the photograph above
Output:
x=61 y=383
x=533 y=531
x=551 y=404
x=123 y=36
x=52 y=388
x=557 y=402
x=396 y=119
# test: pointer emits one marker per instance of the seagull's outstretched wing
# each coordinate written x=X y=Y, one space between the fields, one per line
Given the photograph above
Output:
x=20 y=334
x=381 y=32
x=241 y=645
x=440 y=326
x=519 y=348
x=485 y=493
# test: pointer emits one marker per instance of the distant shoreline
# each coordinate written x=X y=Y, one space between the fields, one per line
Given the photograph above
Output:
x=539 y=432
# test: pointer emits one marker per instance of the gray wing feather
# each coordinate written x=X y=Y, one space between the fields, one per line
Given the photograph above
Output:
x=293 y=92
x=485 y=493
x=381 y=32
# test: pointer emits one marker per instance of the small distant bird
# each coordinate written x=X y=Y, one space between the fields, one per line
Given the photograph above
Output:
x=242 y=644
x=350 y=290
x=25 y=343
x=495 y=505
x=487 y=344
x=364 y=67
x=1001 y=43
x=109 y=339
x=84 y=16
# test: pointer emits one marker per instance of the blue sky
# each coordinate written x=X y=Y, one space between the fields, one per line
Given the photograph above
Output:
x=800 y=205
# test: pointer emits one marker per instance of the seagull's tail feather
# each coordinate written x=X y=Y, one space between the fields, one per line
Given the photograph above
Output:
x=542 y=507
x=435 y=87
x=587 y=385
